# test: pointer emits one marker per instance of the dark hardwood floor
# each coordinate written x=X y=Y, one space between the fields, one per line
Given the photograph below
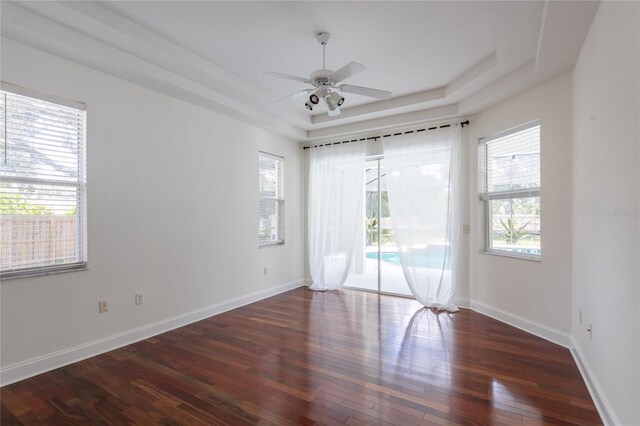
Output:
x=330 y=358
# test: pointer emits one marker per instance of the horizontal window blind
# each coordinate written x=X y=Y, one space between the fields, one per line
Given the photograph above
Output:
x=510 y=164
x=43 y=183
x=509 y=182
x=271 y=200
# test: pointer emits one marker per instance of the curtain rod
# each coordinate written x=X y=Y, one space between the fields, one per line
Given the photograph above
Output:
x=462 y=123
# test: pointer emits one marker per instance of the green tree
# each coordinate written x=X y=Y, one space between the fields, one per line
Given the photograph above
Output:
x=17 y=204
x=372 y=230
x=512 y=232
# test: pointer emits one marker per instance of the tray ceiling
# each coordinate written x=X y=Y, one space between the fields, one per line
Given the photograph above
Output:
x=440 y=59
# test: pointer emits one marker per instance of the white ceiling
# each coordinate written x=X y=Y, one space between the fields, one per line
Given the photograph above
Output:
x=440 y=59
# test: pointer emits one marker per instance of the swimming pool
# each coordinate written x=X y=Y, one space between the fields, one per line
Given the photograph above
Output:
x=432 y=258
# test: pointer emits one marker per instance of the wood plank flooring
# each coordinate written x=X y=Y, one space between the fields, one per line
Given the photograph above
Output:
x=303 y=358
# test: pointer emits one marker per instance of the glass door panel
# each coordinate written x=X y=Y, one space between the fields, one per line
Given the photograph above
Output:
x=391 y=276
x=364 y=267
x=376 y=264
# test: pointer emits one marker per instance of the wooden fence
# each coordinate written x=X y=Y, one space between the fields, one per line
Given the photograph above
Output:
x=35 y=240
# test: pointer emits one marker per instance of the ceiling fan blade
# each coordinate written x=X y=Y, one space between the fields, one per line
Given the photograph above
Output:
x=293 y=96
x=366 y=91
x=347 y=71
x=336 y=111
x=287 y=76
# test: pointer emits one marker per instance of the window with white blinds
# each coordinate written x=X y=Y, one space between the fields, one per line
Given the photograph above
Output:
x=271 y=205
x=42 y=183
x=509 y=183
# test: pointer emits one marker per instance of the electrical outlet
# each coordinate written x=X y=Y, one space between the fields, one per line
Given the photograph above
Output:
x=580 y=316
x=266 y=270
x=466 y=229
x=102 y=306
x=138 y=298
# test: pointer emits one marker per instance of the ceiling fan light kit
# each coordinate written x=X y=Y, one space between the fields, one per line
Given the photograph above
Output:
x=325 y=83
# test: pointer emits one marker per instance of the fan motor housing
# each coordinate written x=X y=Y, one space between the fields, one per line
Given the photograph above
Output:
x=321 y=77
x=323 y=37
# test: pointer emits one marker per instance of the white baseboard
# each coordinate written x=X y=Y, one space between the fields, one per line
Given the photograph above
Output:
x=32 y=367
x=553 y=335
x=597 y=394
x=563 y=339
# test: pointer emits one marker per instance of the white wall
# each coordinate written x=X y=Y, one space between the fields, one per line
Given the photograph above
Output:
x=606 y=207
x=530 y=293
x=172 y=213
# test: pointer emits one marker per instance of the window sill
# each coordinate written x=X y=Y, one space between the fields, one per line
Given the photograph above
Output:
x=271 y=245
x=512 y=255
x=13 y=275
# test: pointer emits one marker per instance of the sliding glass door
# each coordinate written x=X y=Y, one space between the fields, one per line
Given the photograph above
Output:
x=391 y=276
x=376 y=265
x=364 y=267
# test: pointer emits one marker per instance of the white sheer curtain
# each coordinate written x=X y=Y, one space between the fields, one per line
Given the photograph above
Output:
x=336 y=179
x=424 y=202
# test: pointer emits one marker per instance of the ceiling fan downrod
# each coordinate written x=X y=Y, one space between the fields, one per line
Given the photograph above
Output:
x=323 y=39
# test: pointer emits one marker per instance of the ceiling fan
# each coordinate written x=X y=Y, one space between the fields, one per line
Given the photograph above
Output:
x=326 y=83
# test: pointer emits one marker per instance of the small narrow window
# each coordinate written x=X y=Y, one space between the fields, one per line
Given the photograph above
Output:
x=509 y=166
x=270 y=187
x=43 y=183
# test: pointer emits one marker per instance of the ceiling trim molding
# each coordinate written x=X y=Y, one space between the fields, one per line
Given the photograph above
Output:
x=419 y=101
x=24 y=26
x=543 y=23
x=397 y=102
x=473 y=73
x=437 y=113
x=563 y=30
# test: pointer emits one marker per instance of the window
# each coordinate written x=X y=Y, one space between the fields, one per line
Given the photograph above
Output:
x=42 y=183
x=271 y=222
x=509 y=165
